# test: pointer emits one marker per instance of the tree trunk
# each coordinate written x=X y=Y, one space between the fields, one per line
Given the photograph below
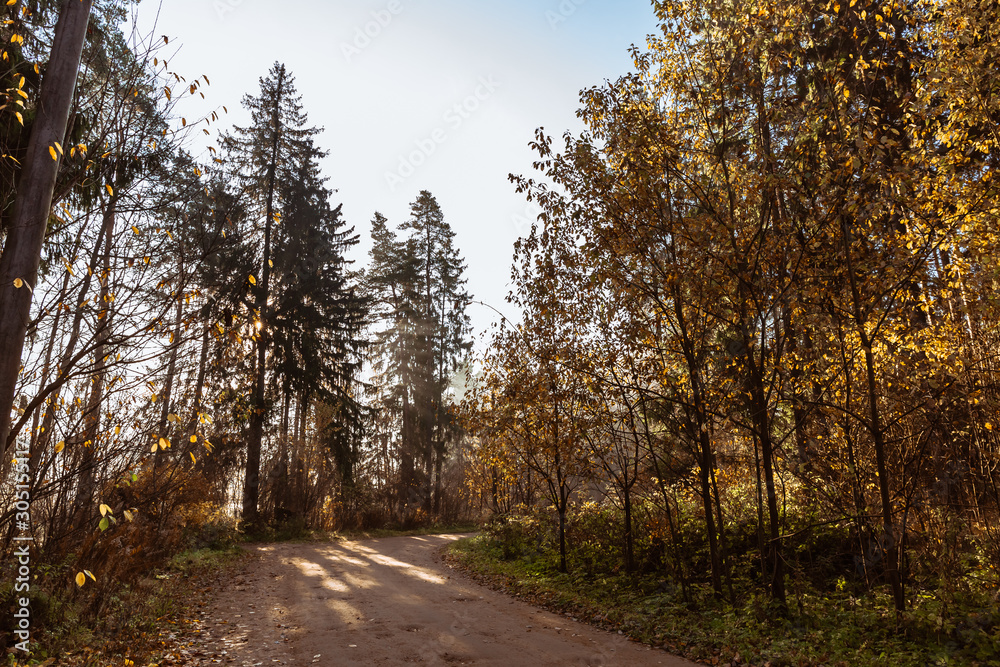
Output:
x=892 y=542
x=629 y=550
x=23 y=247
x=438 y=466
x=69 y=356
x=40 y=409
x=92 y=417
x=192 y=426
x=776 y=561
x=705 y=473
x=251 y=484
x=163 y=429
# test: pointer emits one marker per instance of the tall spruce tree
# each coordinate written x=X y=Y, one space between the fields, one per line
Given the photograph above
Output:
x=317 y=314
x=269 y=152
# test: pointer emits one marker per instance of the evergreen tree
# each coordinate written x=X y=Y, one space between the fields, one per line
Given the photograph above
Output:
x=419 y=280
x=317 y=315
x=269 y=152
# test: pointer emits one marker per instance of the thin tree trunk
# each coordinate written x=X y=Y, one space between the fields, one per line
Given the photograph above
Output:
x=438 y=466
x=251 y=486
x=192 y=426
x=759 y=407
x=92 y=418
x=37 y=413
x=705 y=470
x=892 y=542
x=163 y=428
x=49 y=409
x=67 y=357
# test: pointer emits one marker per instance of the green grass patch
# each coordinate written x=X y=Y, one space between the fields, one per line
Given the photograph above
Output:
x=820 y=629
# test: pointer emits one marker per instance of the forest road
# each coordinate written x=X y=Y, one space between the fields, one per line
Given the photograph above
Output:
x=391 y=601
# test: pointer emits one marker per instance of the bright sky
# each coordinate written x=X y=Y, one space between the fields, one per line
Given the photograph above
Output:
x=438 y=95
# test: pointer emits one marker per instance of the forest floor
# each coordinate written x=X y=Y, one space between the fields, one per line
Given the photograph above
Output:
x=388 y=601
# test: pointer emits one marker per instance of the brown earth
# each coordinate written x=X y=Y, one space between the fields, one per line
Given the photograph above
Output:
x=390 y=601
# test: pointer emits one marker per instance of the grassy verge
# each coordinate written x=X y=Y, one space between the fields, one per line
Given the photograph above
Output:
x=141 y=620
x=819 y=630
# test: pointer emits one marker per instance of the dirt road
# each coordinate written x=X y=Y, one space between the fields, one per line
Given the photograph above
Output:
x=390 y=601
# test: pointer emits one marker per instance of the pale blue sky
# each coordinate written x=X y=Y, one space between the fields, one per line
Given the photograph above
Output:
x=383 y=77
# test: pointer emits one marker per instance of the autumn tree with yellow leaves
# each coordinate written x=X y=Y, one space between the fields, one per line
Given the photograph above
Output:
x=788 y=213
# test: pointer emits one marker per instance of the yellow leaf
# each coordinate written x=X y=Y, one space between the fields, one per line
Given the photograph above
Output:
x=59 y=148
x=164 y=443
x=153 y=398
x=135 y=229
x=18 y=283
x=111 y=191
x=155 y=445
x=194 y=438
x=90 y=574
x=128 y=515
x=989 y=426
x=52 y=152
x=253 y=281
x=20 y=119
x=105 y=509
x=60 y=446
x=81 y=579
x=192 y=457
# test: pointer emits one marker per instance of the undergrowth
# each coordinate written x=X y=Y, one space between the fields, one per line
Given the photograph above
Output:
x=833 y=618
x=134 y=617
